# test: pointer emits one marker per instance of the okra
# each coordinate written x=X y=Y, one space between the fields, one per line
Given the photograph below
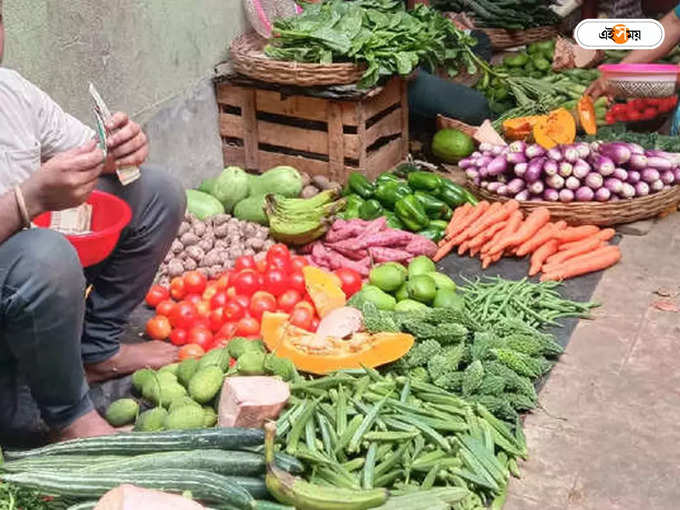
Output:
x=366 y=424
x=390 y=435
x=389 y=462
x=341 y=412
x=354 y=464
x=347 y=435
x=430 y=477
x=368 y=473
x=426 y=430
x=296 y=431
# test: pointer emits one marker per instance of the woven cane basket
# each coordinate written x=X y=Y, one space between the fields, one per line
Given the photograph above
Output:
x=248 y=59
x=598 y=213
x=502 y=38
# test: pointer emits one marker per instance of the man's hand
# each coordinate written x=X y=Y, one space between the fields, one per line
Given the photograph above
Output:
x=128 y=146
x=64 y=181
x=597 y=88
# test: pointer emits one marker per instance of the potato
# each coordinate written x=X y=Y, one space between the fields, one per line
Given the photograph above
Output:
x=309 y=191
x=321 y=181
x=176 y=246
x=199 y=228
x=189 y=239
x=195 y=252
x=204 y=271
x=220 y=219
x=221 y=244
x=221 y=230
x=190 y=264
x=175 y=268
x=305 y=178
x=207 y=243
x=255 y=243
x=212 y=258
x=184 y=227
x=215 y=271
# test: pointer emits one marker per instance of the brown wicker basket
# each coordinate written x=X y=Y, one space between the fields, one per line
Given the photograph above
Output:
x=598 y=213
x=248 y=58
x=502 y=38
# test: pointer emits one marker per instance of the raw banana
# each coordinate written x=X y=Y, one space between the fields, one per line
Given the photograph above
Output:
x=303 y=495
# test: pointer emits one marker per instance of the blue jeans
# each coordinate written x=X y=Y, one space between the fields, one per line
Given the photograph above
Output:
x=48 y=330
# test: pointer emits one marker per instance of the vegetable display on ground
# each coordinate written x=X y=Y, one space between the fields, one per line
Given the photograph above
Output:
x=517 y=15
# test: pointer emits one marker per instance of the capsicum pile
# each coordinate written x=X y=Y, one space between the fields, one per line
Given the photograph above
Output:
x=409 y=198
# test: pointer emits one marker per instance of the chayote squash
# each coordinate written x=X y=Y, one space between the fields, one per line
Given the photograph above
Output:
x=202 y=205
x=230 y=187
x=282 y=180
x=252 y=209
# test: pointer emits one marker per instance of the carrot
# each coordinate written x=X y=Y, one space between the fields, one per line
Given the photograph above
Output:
x=549 y=268
x=443 y=250
x=540 y=254
x=463 y=247
x=474 y=251
x=547 y=232
x=579 y=247
x=493 y=209
x=469 y=219
x=487 y=234
x=603 y=235
x=538 y=217
x=458 y=214
x=577 y=233
x=490 y=259
x=595 y=261
x=511 y=227
x=494 y=216
x=559 y=258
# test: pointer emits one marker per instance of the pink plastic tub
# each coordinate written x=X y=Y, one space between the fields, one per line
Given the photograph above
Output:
x=640 y=80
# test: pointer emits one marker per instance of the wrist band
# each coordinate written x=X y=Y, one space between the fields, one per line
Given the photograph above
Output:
x=23 y=211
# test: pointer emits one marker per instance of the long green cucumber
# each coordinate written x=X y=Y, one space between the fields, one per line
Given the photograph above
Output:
x=58 y=462
x=132 y=443
x=208 y=486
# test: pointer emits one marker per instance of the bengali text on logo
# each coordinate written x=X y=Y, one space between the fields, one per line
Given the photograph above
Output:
x=620 y=34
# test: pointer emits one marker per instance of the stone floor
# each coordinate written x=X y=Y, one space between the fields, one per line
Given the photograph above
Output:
x=607 y=435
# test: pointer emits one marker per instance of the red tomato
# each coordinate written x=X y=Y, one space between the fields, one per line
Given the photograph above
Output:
x=296 y=281
x=278 y=250
x=262 y=302
x=193 y=298
x=194 y=282
x=246 y=282
x=179 y=336
x=261 y=265
x=248 y=327
x=158 y=327
x=609 y=118
x=315 y=324
x=233 y=310
x=278 y=262
x=203 y=322
x=216 y=319
x=649 y=113
x=219 y=342
x=306 y=305
x=223 y=281
x=183 y=315
x=191 y=351
x=276 y=281
x=203 y=308
x=177 y=290
x=289 y=299
x=244 y=262
x=200 y=336
x=156 y=294
x=618 y=107
x=351 y=280
x=228 y=330
x=165 y=307
x=243 y=301
x=297 y=262
x=634 y=115
x=210 y=291
x=302 y=318
x=219 y=300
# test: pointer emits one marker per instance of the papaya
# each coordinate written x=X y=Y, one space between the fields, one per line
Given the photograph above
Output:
x=325 y=290
x=315 y=355
x=556 y=128
x=586 y=115
x=520 y=128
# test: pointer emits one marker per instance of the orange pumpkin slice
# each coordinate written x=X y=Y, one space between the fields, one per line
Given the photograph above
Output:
x=325 y=290
x=557 y=128
x=313 y=354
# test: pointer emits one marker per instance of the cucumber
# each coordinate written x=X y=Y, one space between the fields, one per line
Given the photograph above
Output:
x=208 y=486
x=132 y=443
x=65 y=462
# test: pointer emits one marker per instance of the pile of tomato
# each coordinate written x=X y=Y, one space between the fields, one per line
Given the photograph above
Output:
x=640 y=109
x=200 y=314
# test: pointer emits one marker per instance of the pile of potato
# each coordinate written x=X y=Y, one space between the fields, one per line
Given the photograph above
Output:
x=312 y=185
x=211 y=246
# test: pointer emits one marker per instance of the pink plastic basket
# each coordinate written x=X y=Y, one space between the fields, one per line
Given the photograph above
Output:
x=640 y=80
x=262 y=13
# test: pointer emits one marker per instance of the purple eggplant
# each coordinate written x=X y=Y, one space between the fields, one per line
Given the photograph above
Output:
x=555 y=181
x=534 y=169
x=584 y=194
x=641 y=189
x=603 y=195
x=520 y=169
x=522 y=196
x=484 y=160
x=676 y=172
x=534 y=151
x=515 y=186
x=618 y=152
x=466 y=163
x=633 y=177
x=536 y=188
x=515 y=158
x=570 y=153
x=471 y=173
x=638 y=162
x=613 y=184
x=627 y=190
x=566 y=195
x=497 y=150
x=583 y=149
x=594 y=180
x=621 y=174
x=659 y=163
x=551 y=195
x=497 y=166
x=594 y=146
x=572 y=183
x=603 y=164
x=556 y=154
x=650 y=175
x=518 y=146
x=580 y=169
x=551 y=167
x=566 y=169
x=485 y=146
x=656 y=185
x=493 y=186
x=636 y=148
x=502 y=190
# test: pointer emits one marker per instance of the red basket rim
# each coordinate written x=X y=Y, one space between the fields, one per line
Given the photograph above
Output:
x=116 y=227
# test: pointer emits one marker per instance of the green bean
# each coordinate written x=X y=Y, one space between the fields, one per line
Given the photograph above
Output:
x=368 y=473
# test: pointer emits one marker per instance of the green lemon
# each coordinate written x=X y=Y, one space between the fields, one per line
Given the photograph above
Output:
x=421 y=288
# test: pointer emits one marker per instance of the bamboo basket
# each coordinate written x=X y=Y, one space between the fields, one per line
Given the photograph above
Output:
x=597 y=213
x=502 y=38
x=248 y=59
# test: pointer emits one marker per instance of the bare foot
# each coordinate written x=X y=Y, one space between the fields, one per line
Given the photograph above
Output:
x=132 y=357
x=88 y=425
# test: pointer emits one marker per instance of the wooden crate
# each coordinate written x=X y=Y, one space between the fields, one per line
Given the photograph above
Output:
x=261 y=129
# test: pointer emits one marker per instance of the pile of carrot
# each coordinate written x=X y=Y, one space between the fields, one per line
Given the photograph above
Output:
x=494 y=230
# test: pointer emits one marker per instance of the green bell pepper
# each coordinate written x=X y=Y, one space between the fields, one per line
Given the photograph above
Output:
x=455 y=195
x=404 y=169
x=434 y=207
x=434 y=234
x=389 y=177
x=370 y=210
x=411 y=213
x=360 y=185
x=353 y=200
x=349 y=213
x=393 y=221
x=390 y=191
x=424 y=181
x=440 y=224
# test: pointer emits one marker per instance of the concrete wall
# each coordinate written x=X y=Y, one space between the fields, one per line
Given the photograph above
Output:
x=149 y=58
